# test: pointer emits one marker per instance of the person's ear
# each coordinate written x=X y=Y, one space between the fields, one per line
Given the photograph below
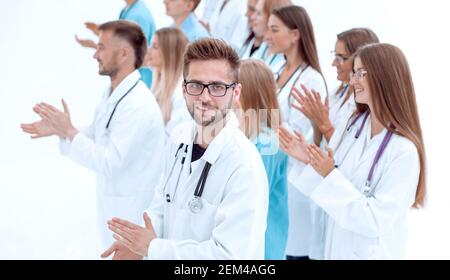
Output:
x=237 y=93
x=295 y=35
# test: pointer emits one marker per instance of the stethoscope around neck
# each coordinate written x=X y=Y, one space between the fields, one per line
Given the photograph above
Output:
x=368 y=190
x=117 y=104
x=195 y=204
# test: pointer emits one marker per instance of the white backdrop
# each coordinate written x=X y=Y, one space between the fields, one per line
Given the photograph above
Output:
x=47 y=202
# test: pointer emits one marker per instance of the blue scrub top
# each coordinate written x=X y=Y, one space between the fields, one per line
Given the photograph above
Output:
x=276 y=166
x=146 y=76
x=193 y=29
x=140 y=14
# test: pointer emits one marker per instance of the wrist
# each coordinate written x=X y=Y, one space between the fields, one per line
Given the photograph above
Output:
x=326 y=128
x=71 y=133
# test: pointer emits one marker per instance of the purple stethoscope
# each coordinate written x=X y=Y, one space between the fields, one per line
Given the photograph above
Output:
x=368 y=190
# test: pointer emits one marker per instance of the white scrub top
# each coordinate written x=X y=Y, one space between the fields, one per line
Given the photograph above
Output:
x=360 y=227
x=126 y=157
x=300 y=220
x=232 y=222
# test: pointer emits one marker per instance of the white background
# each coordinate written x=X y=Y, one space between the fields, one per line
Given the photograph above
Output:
x=47 y=202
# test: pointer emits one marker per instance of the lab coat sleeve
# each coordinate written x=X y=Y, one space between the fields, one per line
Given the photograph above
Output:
x=239 y=224
x=131 y=128
x=156 y=209
x=368 y=216
x=64 y=143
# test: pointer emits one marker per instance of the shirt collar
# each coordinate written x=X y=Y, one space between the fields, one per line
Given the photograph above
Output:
x=124 y=86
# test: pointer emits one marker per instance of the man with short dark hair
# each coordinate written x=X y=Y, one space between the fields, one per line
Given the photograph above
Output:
x=212 y=202
x=135 y=11
x=124 y=142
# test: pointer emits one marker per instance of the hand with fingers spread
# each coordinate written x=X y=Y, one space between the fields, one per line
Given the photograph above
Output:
x=134 y=237
x=313 y=108
x=86 y=43
x=294 y=145
x=60 y=121
x=321 y=162
x=39 y=129
x=121 y=252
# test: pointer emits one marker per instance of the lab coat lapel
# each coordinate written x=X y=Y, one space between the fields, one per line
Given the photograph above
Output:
x=110 y=100
x=211 y=154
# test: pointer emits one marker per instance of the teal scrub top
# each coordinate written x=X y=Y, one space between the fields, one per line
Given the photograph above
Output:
x=276 y=165
x=146 y=76
x=140 y=14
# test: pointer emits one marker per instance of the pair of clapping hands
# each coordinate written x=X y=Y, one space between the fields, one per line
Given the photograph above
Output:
x=295 y=144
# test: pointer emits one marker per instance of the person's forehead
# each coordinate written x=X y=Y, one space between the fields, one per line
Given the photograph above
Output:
x=210 y=70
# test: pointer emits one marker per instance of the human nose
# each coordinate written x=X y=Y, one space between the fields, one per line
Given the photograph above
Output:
x=205 y=95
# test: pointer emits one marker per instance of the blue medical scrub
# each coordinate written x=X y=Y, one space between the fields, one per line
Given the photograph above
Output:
x=140 y=14
x=276 y=165
x=193 y=29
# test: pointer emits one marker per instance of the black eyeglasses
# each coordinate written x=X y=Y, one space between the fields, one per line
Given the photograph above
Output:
x=214 y=89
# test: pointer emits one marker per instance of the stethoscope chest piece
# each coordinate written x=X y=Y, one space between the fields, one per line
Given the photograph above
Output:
x=195 y=205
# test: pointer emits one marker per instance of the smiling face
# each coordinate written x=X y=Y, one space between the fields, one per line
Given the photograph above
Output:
x=361 y=84
x=204 y=108
x=342 y=62
x=279 y=37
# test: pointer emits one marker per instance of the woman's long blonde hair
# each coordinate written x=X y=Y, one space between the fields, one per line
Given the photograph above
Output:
x=258 y=95
x=172 y=43
x=394 y=99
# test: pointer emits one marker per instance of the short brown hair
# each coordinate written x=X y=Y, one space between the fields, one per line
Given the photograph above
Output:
x=212 y=49
x=131 y=33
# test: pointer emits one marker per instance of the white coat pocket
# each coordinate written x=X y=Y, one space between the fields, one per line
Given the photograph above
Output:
x=365 y=248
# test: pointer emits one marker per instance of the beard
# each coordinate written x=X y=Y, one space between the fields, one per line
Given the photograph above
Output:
x=109 y=69
x=212 y=116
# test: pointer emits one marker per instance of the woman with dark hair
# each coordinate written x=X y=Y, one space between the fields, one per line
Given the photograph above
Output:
x=291 y=33
x=375 y=171
x=257 y=47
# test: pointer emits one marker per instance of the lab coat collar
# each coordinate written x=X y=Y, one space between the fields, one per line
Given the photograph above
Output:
x=215 y=148
x=187 y=136
x=124 y=86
